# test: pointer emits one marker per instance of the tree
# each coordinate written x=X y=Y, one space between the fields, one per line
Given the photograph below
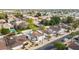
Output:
x=4 y=31
x=60 y=46
x=74 y=34
x=69 y=19
x=69 y=29
x=18 y=14
x=45 y=22
x=30 y=21
x=32 y=26
x=43 y=27
x=55 y=20
x=49 y=36
x=22 y=26
x=3 y=15
x=75 y=24
x=38 y=14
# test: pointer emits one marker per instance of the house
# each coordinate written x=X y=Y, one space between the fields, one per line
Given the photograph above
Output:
x=55 y=30
x=61 y=31
x=20 y=38
x=11 y=21
x=16 y=40
x=27 y=33
x=20 y=25
x=35 y=36
x=18 y=19
x=2 y=21
x=62 y=25
x=7 y=25
x=73 y=45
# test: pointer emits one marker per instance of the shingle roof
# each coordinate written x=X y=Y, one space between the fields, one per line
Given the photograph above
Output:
x=74 y=46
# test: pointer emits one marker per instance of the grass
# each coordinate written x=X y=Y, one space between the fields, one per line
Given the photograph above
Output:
x=20 y=30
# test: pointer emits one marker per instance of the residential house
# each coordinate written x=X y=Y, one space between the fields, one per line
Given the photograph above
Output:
x=53 y=30
x=35 y=36
x=2 y=21
x=12 y=21
x=7 y=25
x=38 y=36
x=17 y=19
x=61 y=31
x=73 y=45
x=21 y=25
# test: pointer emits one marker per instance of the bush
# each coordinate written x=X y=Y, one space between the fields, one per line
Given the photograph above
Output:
x=19 y=15
x=54 y=21
x=4 y=31
x=30 y=21
x=60 y=46
x=74 y=34
x=32 y=26
x=43 y=27
x=3 y=15
x=45 y=22
x=69 y=19
x=38 y=14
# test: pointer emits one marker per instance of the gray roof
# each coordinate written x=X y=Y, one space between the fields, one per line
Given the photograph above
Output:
x=57 y=28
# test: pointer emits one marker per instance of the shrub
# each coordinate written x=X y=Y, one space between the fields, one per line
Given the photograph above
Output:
x=60 y=46
x=4 y=31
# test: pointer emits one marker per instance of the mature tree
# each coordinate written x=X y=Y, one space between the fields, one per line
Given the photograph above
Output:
x=32 y=26
x=3 y=15
x=69 y=29
x=49 y=36
x=18 y=14
x=55 y=20
x=45 y=22
x=69 y=19
x=43 y=27
x=38 y=14
x=60 y=46
x=72 y=34
x=30 y=21
x=22 y=26
x=75 y=24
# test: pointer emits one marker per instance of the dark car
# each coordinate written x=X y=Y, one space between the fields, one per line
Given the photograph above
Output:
x=49 y=47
